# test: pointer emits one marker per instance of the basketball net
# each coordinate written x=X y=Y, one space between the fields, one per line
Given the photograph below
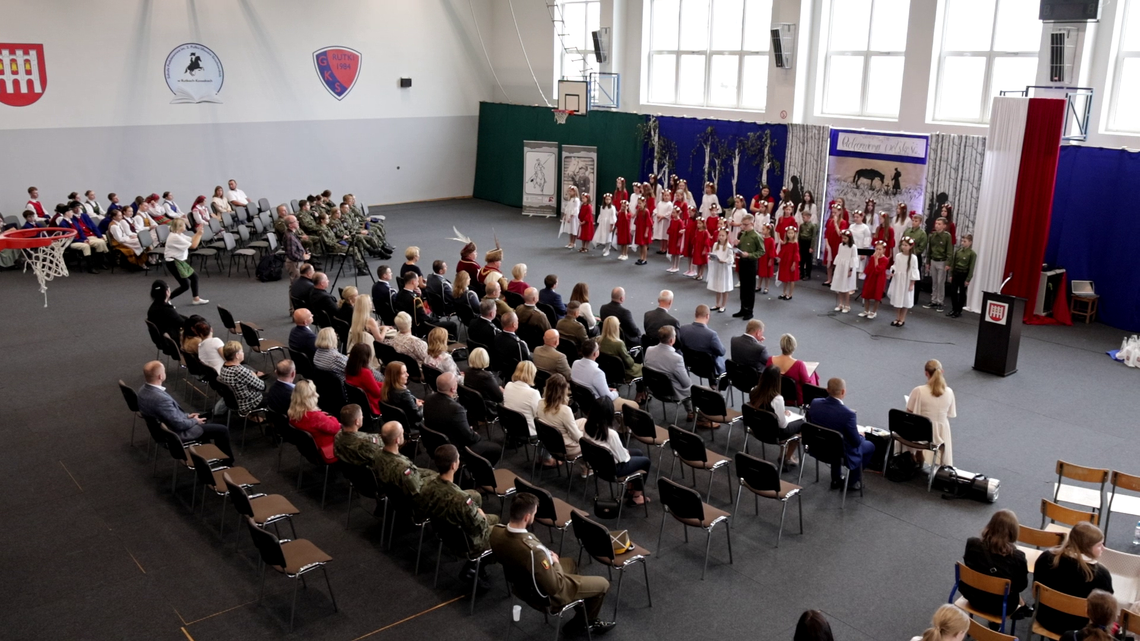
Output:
x=560 y=115
x=47 y=261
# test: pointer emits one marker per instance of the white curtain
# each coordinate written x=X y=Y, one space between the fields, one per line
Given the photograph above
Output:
x=995 y=202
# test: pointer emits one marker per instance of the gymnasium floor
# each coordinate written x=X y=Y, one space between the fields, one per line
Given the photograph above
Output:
x=97 y=548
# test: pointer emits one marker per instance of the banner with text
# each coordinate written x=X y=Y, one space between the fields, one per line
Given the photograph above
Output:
x=579 y=168
x=885 y=167
x=540 y=172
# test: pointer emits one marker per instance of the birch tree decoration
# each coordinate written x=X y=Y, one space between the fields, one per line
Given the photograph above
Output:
x=721 y=155
x=708 y=140
x=662 y=151
x=735 y=151
x=759 y=145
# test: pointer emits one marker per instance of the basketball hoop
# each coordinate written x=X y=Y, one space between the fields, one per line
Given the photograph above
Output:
x=560 y=115
x=43 y=250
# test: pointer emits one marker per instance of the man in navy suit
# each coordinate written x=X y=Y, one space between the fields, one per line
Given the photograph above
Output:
x=155 y=403
x=833 y=414
x=280 y=393
x=699 y=338
x=302 y=338
x=550 y=297
x=383 y=297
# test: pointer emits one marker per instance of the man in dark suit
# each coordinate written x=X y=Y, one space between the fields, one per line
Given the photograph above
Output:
x=550 y=297
x=698 y=337
x=383 y=298
x=438 y=284
x=299 y=290
x=630 y=333
x=832 y=413
x=482 y=329
x=280 y=393
x=409 y=301
x=655 y=319
x=509 y=348
x=156 y=404
x=444 y=414
x=320 y=300
x=302 y=338
x=748 y=348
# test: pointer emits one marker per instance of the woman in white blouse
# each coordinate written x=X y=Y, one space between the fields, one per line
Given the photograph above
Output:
x=176 y=252
x=219 y=202
x=125 y=240
x=581 y=294
x=519 y=396
x=554 y=410
x=599 y=429
x=935 y=401
x=766 y=396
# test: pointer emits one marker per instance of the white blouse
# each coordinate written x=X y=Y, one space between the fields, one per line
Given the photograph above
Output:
x=585 y=312
x=177 y=247
x=524 y=399
x=613 y=444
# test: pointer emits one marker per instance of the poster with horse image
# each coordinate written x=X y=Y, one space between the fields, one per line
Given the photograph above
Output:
x=886 y=167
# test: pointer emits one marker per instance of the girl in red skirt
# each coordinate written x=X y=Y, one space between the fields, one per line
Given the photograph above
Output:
x=701 y=244
x=690 y=218
x=620 y=192
x=876 y=279
x=624 y=230
x=643 y=229
x=767 y=265
x=790 y=262
x=585 y=223
x=834 y=226
x=676 y=233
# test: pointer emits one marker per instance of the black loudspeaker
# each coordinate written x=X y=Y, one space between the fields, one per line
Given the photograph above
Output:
x=405 y=83
x=599 y=47
x=1070 y=10
x=778 y=48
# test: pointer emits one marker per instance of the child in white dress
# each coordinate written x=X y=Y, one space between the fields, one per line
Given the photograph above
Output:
x=663 y=210
x=570 y=207
x=904 y=273
x=843 y=279
x=721 y=259
x=861 y=235
x=736 y=221
x=708 y=199
x=607 y=218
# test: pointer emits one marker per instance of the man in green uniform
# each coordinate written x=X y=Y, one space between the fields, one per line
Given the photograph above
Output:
x=809 y=238
x=918 y=235
x=375 y=227
x=446 y=504
x=961 y=273
x=939 y=246
x=393 y=469
x=355 y=226
x=347 y=240
x=527 y=562
x=312 y=228
x=750 y=248
x=350 y=444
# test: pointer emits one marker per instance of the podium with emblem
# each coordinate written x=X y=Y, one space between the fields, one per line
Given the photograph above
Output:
x=999 y=334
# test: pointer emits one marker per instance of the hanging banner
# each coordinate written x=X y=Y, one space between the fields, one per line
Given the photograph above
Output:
x=540 y=170
x=579 y=168
x=886 y=167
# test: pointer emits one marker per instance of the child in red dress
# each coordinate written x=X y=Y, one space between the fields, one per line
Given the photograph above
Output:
x=836 y=223
x=701 y=243
x=787 y=219
x=643 y=229
x=876 y=279
x=884 y=233
x=620 y=193
x=790 y=262
x=691 y=219
x=585 y=223
x=624 y=231
x=676 y=234
x=767 y=264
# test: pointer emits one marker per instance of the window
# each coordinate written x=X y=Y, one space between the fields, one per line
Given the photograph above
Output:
x=1124 y=105
x=709 y=53
x=864 y=57
x=580 y=19
x=987 y=46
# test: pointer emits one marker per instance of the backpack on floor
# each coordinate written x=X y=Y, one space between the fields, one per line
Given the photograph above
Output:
x=269 y=268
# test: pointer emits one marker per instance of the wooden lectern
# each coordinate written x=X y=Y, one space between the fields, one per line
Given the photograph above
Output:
x=999 y=334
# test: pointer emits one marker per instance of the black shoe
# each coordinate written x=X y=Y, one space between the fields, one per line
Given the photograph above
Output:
x=930 y=306
x=747 y=316
x=739 y=314
x=92 y=270
x=388 y=247
x=360 y=271
x=837 y=485
x=660 y=251
x=601 y=627
x=642 y=262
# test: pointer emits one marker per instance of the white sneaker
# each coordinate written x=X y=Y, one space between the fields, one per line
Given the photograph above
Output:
x=838 y=308
x=862 y=314
x=200 y=301
x=845 y=310
x=623 y=257
x=606 y=252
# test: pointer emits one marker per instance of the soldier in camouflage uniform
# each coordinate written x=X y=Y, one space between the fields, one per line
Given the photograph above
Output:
x=368 y=242
x=443 y=502
x=350 y=444
x=395 y=470
x=375 y=227
x=346 y=240
x=281 y=227
x=311 y=228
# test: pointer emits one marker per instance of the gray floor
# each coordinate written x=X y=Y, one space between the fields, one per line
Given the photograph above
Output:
x=95 y=547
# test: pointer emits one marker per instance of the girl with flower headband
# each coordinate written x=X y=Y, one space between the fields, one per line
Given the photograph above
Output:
x=624 y=229
x=831 y=234
x=642 y=228
x=766 y=266
x=607 y=219
x=787 y=219
x=899 y=222
x=904 y=273
x=684 y=184
x=736 y=220
x=585 y=223
x=701 y=244
x=789 y=262
x=662 y=213
x=620 y=193
x=885 y=233
x=721 y=258
x=570 y=208
x=708 y=199
x=676 y=234
x=844 y=279
x=690 y=217
x=875 y=273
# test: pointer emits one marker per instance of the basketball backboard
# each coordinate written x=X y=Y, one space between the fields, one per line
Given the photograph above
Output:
x=574 y=95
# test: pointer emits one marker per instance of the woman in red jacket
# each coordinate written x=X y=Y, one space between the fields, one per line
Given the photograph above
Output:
x=359 y=374
x=304 y=415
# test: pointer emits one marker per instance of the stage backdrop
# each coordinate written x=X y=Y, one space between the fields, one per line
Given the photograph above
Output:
x=579 y=168
x=887 y=167
x=503 y=128
x=540 y=168
x=737 y=156
x=954 y=175
x=1094 y=232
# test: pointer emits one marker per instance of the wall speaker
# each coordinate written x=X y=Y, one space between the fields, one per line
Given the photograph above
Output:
x=1070 y=10
x=601 y=44
x=783 y=44
x=405 y=83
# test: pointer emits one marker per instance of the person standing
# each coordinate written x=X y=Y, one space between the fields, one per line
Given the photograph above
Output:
x=750 y=248
x=961 y=273
x=939 y=247
x=904 y=274
x=935 y=401
x=720 y=271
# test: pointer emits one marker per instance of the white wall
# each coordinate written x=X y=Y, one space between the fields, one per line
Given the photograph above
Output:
x=105 y=121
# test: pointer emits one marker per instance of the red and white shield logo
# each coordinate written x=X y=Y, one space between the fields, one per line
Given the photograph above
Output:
x=997 y=312
x=23 y=74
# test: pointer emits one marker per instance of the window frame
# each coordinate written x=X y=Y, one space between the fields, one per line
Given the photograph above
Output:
x=585 y=53
x=1118 y=58
x=866 y=54
x=708 y=53
x=988 y=91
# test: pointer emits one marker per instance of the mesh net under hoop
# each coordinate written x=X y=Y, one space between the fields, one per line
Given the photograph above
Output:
x=43 y=250
x=560 y=115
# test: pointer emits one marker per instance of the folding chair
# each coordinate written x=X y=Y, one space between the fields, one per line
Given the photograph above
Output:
x=984 y=583
x=690 y=449
x=291 y=557
x=641 y=428
x=1122 y=503
x=1069 y=517
x=826 y=446
x=594 y=539
x=213 y=480
x=685 y=505
x=258 y=345
x=1084 y=496
x=763 y=480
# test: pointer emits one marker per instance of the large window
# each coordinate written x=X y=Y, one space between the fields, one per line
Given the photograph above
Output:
x=709 y=53
x=864 y=58
x=580 y=19
x=987 y=46
x=1124 y=105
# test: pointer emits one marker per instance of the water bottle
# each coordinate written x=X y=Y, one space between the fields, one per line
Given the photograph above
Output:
x=1136 y=535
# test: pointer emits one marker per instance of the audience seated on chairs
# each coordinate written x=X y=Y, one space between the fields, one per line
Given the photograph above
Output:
x=812 y=626
x=995 y=554
x=411 y=257
x=663 y=358
x=462 y=295
x=791 y=367
x=518 y=285
x=766 y=396
x=698 y=337
x=162 y=312
x=320 y=300
x=437 y=283
x=660 y=317
x=396 y=393
x=610 y=343
x=833 y=414
x=393 y=469
x=554 y=410
x=482 y=329
x=382 y=292
x=364 y=327
x=87 y=236
x=444 y=502
x=305 y=416
x=444 y=414
x=1073 y=569
x=300 y=289
x=522 y=554
x=748 y=348
x=280 y=394
x=405 y=342
x=569 y=327
x=481 y=379
x=494 y=293
x=529 y=313
x=509 y=348
x=203 y=343
x=550 y=297
x=247 y=385
x=350 y=444
x=586 y=372
x=519 y=396
x=935 y=401
x=630 y=333
x=1103 y=611
x=409 y=301
x=302 y=338
x=437 y=354
x=358 y=372
x=124 y=239
x=599 y=429
x=581 y=295
x=156 y=404
x=344 y=308
x=327 y=357
x=948 y=624
x=548 y=358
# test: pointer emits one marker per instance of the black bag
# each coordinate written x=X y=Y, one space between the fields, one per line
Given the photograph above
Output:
x=269 y=268
x=605 y=509
x=901 y=468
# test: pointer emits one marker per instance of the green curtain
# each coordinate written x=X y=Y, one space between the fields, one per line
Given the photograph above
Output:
x=503 y=128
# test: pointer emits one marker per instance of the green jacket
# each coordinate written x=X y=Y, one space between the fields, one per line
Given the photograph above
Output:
x=751 y=244
x=443 y=501
x=810 y=231
x=356 y=448
x=964 y=261
x=919 y=237
x=940 y=246
x=397 y=470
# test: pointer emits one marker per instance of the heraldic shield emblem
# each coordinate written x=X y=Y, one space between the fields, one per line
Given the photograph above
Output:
x=23 y=74
x=338 y=67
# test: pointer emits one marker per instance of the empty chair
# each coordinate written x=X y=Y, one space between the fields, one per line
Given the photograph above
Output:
x=685 y=505
x=363 y=481
x=552 y=512
x=489 y=480
x=690 y=450
x=132 y=399
x=642 y=429
x=1091 y=497
x=261 y=509
x=1129 y=622
x=178 y=451
x=711 y=407
x=1067 y=517
x=984 y=583
x=228 y=322
x=916 y=432
x=763 y=479
x=259 y=345
x=245 y=255
x=213 y=480
x=764 y=426
x=596 y=541
x=826 y=446
x=293 y=558
x=1125 y=571
x=1123 y=503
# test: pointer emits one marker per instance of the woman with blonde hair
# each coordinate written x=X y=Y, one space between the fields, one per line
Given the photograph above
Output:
x=949 y=623
x=1072 y=568
x=461 y=291
x=792 y=367
x=519 y=396
x=437 y=354
x=177 y=252
x=364 y=327
x=347 y=305
x=995 y=554
x=480 y=378
x=554 y=410
x=395 y=392
x=307 y=417
x=405 y=342
x=935 y=401
x=611 y=343
x=327 y=358
x=518 y=283
x=581 y=295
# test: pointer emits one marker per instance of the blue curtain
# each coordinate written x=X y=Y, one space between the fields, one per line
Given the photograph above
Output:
x=687 y=134
x=1095 y=228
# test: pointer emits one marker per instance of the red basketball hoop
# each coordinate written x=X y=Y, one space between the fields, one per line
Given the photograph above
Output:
x=561 y=114
x=43 y=248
